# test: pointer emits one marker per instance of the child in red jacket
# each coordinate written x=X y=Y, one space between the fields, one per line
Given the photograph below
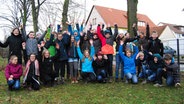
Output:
x=13 y=72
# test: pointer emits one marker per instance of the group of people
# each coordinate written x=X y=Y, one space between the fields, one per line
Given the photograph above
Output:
x=87 y=55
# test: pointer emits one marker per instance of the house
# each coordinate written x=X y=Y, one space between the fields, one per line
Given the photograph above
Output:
x=105 y=15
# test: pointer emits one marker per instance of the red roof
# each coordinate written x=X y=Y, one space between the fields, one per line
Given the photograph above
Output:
x=158 y=29
x=119 y=17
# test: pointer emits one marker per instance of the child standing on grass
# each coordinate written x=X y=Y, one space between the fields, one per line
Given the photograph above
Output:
x=13 y=72
x=87 y=58
x=129 y=63
x=170 y=72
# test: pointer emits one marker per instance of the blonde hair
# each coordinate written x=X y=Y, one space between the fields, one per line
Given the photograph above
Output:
x=90 y=58
x=141 y=53
x=44 y=51
x=12 y=57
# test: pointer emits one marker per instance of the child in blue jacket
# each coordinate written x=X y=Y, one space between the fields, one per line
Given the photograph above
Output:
x=87 y=58
x=129 y=63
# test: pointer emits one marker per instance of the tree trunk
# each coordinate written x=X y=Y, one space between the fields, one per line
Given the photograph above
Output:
x=34 y=16
x=132 y=14
x=64 y=14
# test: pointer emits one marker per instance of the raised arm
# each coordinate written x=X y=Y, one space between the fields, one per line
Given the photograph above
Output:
x=147 y=31
x=5 y=44
x=92 y=48
x=48 y=43
x=42 y=36
x=121 y=50
x=103 y=40
x=79 y=51
x=116 y=32
x=136 y=51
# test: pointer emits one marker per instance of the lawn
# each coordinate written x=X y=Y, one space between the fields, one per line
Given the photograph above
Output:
x=93 y=93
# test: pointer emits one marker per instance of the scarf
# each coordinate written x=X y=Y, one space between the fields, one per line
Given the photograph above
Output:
x=27 y=69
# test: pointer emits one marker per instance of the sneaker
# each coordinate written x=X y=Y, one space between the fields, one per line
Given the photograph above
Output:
x=110 y=80
x=76 y=81
x=158 y=85
x=126 y=81
x=144 y=82
x=72 y=82
x=177 y=85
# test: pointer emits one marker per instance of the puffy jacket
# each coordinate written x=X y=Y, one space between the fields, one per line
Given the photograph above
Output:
x=13 y=69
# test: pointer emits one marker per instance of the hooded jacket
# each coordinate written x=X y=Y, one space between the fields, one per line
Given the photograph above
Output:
x=155 y=46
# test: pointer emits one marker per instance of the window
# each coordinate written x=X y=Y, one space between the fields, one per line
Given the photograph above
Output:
x=94 y=21
x=141 y=23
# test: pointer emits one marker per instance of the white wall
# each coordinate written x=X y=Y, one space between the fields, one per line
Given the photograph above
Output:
x=167 y=34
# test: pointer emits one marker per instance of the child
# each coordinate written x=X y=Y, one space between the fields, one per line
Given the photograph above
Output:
x=155 y=46
x=13 y=72
x=14 y=42
x=170 y=72
x=32 y=71
x=100 y=66
x=86 y=59
x=47 y=74
x=73 y=60
x=129 y=63
x=155 y=65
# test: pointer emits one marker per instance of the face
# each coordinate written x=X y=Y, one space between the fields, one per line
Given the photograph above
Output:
x=141 y=35
x=154 y=35
x=38 y=35
x=127 y=35
x=141 y=57
x=31 y=35
x=60 y=36
x=16 y=32
x=121 y=35
x=95 y=37
x=75 y=33
x=72 y=39
x=107 y=35
x=99 y=57
x=86 y=53
x=47 y=54
x=32 y=57
x=14 y=60
x=128 y=53
x=168 y=62
x=155 y=59
x=85 y=38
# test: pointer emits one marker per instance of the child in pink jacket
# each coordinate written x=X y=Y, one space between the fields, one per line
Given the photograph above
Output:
x=13 y=72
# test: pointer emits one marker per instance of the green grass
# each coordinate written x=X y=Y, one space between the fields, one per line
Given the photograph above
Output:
x=93 y=93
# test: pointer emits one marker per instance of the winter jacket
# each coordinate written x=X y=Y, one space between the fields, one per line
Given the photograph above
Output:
x=99 y=65
x=31 y=44
x=129 y=62
x=173 y=70
x=78 y=31
x=72 y=51
x=104 y=40
x=13 y=69
x=84 y=44
x=63 y=47
x=87 y=64
x=15 y=46
x=155 y=46
x=97 y=45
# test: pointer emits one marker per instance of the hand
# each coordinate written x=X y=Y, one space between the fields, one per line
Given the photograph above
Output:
x=83 y=21
x=11 y=76
x=39 y=46
x=94 y=57
x=78 y=42
x=150 y=53
x=134 y=24
x=108 y=25
x=57 y=46
x=91 y=41
x=105 y=57
x=81 y=34
x=164 y=69
x=10 y=79
x=42 y=43
x=67 y=23
x=121 y=42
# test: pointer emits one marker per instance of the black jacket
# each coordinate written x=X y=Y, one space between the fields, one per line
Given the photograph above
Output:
x=15 y=46
x=155 y=46
x=99 y=65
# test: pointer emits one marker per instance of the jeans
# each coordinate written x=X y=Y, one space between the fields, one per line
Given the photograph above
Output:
x=119 y=63
x=169 y=78
x=133 y=77
x=101 y=76
x=15 y=84
x=151 y=75
x=143 y=74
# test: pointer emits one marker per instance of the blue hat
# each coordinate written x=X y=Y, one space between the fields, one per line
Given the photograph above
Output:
x=157 y=56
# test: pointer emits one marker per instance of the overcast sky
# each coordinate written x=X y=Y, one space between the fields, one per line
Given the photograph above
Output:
x=169 y=11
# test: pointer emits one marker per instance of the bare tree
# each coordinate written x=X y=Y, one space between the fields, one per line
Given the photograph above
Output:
x=35 y=12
